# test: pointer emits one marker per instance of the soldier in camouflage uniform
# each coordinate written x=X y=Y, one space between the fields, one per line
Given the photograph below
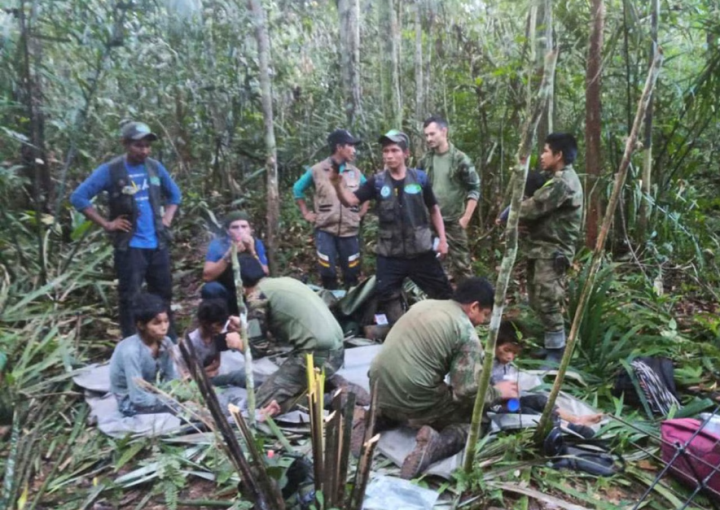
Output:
x=293 y=315
x=552 y=217
x=457 y=187
x=434 y=339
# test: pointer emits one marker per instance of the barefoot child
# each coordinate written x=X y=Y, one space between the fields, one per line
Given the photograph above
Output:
x=508 y=347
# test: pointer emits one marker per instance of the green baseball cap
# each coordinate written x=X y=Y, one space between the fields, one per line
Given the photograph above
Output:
x=137 y=131
x=395 y=136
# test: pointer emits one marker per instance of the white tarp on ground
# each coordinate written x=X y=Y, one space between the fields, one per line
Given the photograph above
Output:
x=95 y=380
x=394 y=444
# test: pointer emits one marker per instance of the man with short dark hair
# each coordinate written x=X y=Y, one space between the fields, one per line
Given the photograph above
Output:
x=457 y=186
x=217 y=271
x=553 y=218
x=336 y=226
x=433 y=341
x=138 y=187
x=406 y=208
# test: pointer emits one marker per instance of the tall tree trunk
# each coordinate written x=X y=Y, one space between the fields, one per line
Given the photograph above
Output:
x=419 y=79
x=647 y=138
x=349 y=14
x=391 y=36
x=593 y=110
x=273 y=195
x=33 y=154
x=546 y=122
x=599 y=250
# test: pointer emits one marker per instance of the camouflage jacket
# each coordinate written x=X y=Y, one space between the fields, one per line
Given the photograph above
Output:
x=455 y=189
x=553 y=216
x=432 y=340
x=285 y=311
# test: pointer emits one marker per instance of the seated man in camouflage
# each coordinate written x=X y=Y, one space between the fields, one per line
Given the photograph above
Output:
x=435 y=338
x=293 y=315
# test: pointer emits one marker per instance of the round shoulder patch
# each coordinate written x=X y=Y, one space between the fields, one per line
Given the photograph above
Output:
x=385 y=191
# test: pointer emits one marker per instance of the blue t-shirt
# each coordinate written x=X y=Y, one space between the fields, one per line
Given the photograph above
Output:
x=99 y=180
x=218 y=247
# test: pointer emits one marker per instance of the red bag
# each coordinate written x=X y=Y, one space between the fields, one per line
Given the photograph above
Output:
x=701 y=455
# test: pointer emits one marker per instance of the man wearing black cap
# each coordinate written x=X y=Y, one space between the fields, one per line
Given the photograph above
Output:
x=406 y=207
x=138 y=187
x=336 y=226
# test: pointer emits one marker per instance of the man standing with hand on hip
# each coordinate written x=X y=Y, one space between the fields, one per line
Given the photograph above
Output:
x=457 y=187
x=336 y=226
x=138 y=187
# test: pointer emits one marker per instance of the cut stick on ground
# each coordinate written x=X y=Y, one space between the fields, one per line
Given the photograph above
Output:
x=344 y=461
x=242 y=309
x=257 y=460
x=508 y=261
x=263 y=499
x=363 y=474
x=630 y=146
x=329 y=484
x=316 y=383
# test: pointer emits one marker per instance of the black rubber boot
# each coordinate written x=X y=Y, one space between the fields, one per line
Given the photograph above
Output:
x=553 y=358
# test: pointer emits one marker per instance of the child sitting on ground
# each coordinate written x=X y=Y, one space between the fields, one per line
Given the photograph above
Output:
x=217 y=332
x=507 y=348
x=145 y=355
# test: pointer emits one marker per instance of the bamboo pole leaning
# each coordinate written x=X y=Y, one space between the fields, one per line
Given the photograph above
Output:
x=620 y=176
x=247 y=353
x=265 y=496
x=508 y=261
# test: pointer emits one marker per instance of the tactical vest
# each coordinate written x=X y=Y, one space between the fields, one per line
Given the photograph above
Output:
x=404 y=225
x=123 y=203
x=332 y=216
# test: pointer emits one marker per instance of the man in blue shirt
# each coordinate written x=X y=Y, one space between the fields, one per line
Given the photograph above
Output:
x=138 y=187
x=336 y=226
x=217 y=272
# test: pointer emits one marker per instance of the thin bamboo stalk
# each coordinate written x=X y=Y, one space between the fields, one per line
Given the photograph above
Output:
x=333 y=424
x=508 y=261
x=630 y=146
x=345 y=446
x=262 y=500
x=257 y=461
x=363 y=474
x=249 y=376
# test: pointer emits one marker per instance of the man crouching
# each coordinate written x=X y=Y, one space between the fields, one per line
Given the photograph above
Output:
x=433 y=339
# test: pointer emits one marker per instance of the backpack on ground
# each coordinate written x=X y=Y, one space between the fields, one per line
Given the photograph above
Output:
x=692 y=453
x=648 y=380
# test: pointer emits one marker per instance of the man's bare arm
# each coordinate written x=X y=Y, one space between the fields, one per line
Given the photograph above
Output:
x=346 y=197
x=119 y=224
x=170 y=211
x=437 y=222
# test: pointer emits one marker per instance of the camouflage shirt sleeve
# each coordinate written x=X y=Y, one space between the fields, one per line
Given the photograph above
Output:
x=553 y=195
x=258 y=306
x=469 y=178
x=466 y=367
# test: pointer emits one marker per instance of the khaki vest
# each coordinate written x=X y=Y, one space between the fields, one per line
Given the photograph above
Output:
x=332 y=216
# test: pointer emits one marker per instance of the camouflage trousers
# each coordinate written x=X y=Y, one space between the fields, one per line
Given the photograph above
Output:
x=290 y=380
x=458 y=263
x=443 y=412
x=546 y=290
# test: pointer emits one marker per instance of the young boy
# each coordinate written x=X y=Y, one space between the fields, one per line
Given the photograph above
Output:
x=507 y=348
x=217 y=332
x=146 y=356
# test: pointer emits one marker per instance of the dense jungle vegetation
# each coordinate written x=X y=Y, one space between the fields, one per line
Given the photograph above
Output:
x=240 y=118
